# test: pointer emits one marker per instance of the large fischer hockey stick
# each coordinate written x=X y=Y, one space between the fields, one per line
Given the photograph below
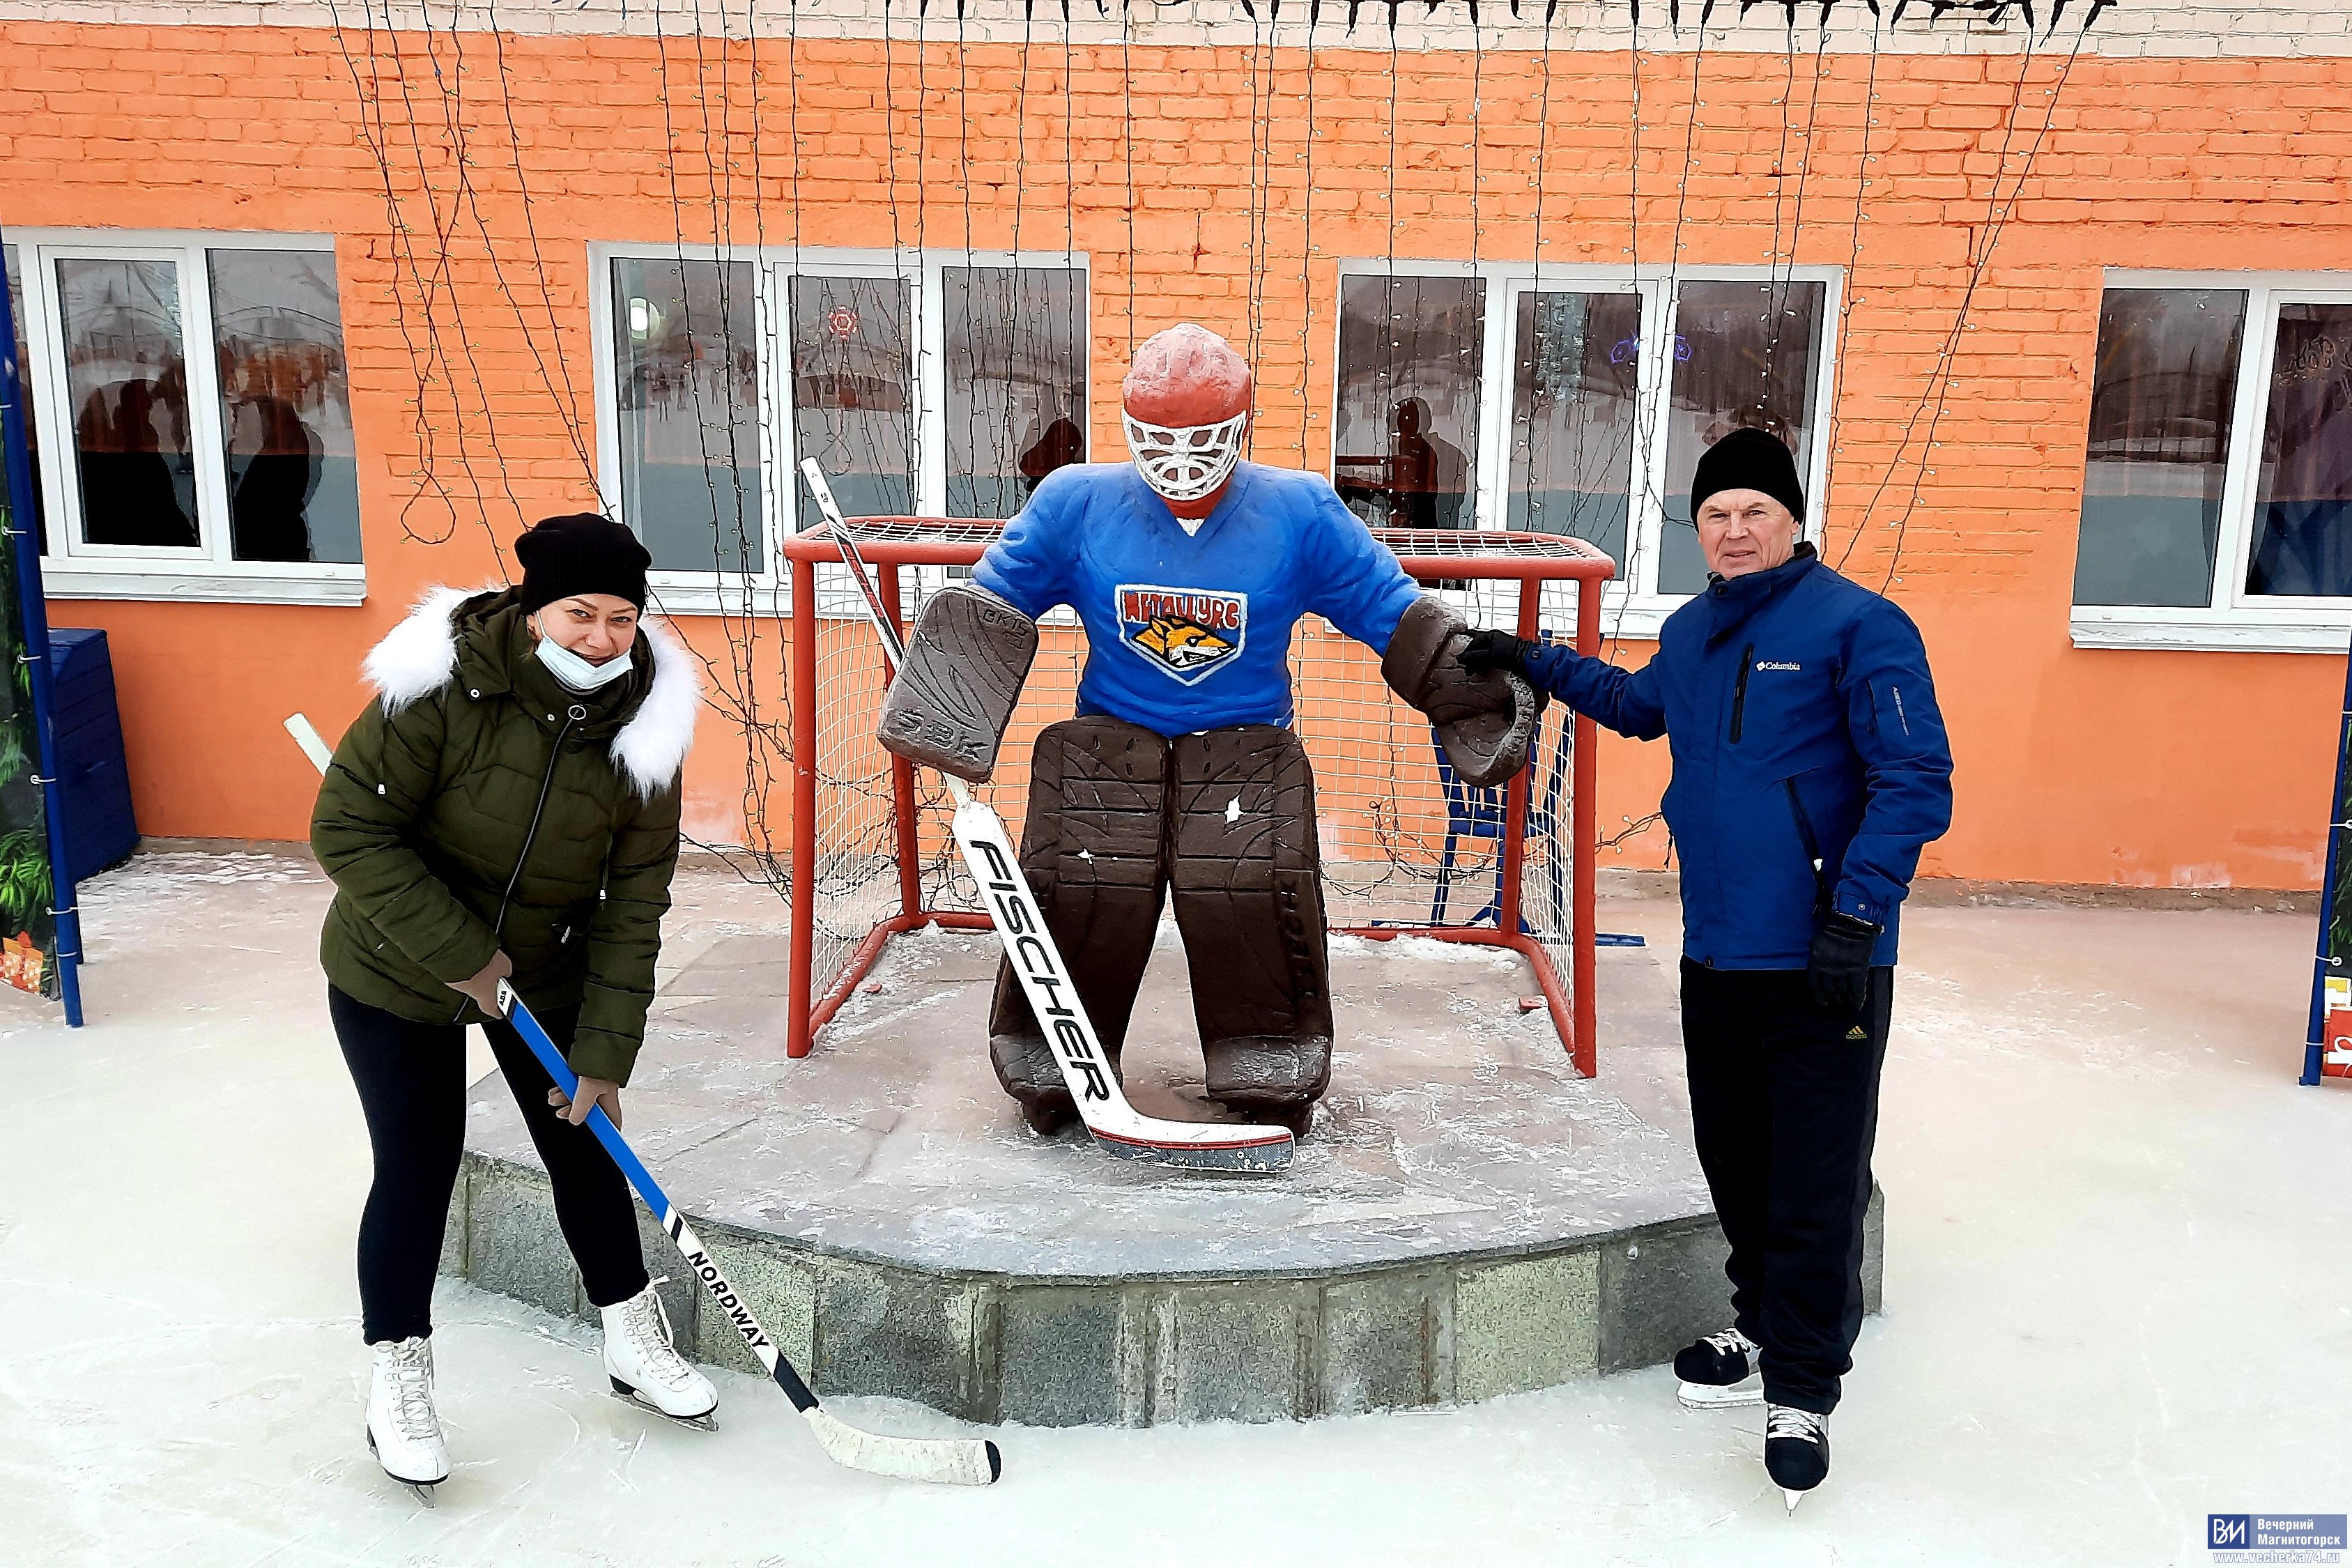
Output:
x=953 y=1461
x=988 y=851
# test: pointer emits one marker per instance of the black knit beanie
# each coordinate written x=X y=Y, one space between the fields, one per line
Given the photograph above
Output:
x=1748 y=459
x=580 y=553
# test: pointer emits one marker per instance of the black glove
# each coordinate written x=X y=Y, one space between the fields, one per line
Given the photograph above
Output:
x=1495 y=650
x=1840 y=971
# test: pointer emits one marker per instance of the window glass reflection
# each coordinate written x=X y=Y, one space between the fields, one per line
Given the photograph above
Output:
x=1746 y=356
x=1573 y=399
x=127 y=381
x=853 y=391
x=1406 y=432
x=2162 y=387
x=2303 y=501
x=686 y=359
x=1016 y=382
x=285 y=411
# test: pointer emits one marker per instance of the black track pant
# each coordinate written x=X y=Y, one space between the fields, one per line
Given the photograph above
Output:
x=1784 y=1103
x=412 y=1082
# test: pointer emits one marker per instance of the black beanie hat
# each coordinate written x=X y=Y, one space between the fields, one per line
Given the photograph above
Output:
x=582 y=552
x=1748 y=459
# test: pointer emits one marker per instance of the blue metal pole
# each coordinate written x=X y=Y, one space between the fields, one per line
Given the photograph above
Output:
x=64 y=914
x=2337 y=827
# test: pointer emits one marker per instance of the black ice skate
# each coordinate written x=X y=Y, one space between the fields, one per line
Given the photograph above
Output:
x=1718 y=1372
x=1796 y=1450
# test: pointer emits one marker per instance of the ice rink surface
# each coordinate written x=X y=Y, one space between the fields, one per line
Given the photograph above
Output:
x=2119 y=1286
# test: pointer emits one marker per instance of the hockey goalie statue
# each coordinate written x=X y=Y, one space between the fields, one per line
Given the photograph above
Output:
x=1180 y=775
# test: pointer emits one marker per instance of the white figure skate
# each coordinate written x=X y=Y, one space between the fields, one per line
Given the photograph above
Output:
x=403 y=1430
x=645 y=1368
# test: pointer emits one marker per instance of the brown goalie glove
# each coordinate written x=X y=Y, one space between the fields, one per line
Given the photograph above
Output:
x=954 y=694
x=1487 y=723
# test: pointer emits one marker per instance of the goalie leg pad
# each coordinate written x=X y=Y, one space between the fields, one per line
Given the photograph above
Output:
x=1092 y=849
x=965 y=666
x=1249 y=901
x=1487 y=723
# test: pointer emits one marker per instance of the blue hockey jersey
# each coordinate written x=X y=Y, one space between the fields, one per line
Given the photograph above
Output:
x=1193 y=632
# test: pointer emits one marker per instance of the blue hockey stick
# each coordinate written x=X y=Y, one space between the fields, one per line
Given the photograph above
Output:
x=957 y=1461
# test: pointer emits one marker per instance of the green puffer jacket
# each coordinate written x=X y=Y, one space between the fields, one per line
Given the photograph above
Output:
x=426 y=820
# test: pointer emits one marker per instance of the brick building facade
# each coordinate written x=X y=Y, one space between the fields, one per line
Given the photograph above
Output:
x=2058 y=314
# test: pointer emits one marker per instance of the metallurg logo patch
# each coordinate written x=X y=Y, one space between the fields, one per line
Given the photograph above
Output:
x=1189 y=634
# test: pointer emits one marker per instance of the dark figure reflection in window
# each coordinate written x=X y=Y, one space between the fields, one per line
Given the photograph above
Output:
x=1428 y=473
x=1062 y=444
x=274 y=463
x=134 y=451
x=2302 y=504
x=1749 y=420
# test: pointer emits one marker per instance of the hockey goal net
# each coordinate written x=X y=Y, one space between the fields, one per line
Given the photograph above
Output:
x=1407 y=848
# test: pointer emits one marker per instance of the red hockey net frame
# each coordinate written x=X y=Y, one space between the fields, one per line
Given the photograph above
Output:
x=890 y=866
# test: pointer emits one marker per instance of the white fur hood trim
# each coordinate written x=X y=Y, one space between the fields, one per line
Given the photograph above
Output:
x=652 y=746
x=419 y=656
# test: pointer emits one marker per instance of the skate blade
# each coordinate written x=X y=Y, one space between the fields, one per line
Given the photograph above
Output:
x=420 y=1490
x=1703 y=1396
x=706 y=1422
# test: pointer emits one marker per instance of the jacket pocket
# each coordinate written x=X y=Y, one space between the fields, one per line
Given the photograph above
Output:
x=572 y=930
x=1812 y=845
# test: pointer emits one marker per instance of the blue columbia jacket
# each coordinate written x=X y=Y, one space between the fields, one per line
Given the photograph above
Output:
x=1805 y=731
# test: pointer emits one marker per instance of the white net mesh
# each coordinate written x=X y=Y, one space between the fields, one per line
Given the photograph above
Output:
x=1405 y=845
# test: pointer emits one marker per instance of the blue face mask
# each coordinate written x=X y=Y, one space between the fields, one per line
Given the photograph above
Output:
x=577 y=674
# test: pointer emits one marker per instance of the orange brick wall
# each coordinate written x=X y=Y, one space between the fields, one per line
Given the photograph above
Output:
x=2074 y=766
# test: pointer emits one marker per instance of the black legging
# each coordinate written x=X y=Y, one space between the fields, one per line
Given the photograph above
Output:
x=412 y=1083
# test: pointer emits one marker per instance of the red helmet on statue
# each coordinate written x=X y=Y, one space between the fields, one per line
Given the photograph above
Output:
x=1186 y=411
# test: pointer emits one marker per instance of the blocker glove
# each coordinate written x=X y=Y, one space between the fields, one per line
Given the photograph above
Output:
x=1840 y=971
x=1495 y=650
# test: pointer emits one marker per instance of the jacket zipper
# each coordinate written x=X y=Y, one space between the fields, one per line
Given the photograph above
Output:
x=1739 y=692
x=572 y=715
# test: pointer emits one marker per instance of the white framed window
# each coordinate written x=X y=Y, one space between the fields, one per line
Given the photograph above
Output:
x=191 y=415
x=943 y=384
x=2217 y=479
x=1576 y=400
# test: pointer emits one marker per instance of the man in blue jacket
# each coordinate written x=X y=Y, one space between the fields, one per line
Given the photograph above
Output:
x=1810 y=769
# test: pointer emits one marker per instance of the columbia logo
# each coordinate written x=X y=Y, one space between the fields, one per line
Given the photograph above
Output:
x=1777 y=664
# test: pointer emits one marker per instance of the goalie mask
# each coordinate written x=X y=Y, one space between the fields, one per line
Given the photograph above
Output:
x=1189 y=461
x=1187 y=403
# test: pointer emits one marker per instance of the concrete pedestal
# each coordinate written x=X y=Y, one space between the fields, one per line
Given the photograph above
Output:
x=1466 y=1218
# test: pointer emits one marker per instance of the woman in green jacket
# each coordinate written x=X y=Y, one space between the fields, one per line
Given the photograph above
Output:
x=507 y=809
